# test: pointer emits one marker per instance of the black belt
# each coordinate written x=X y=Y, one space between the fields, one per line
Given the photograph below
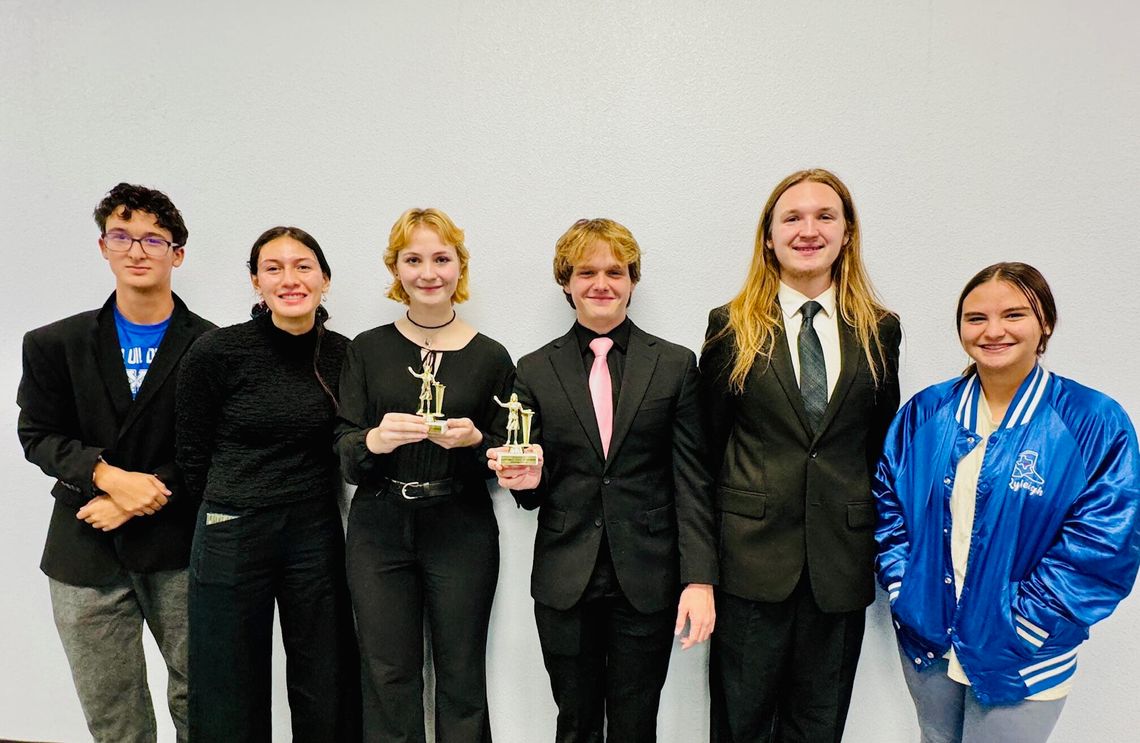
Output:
x=419 y=491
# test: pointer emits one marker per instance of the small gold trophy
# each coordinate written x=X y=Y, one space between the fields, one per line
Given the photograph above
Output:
x=516 y=454
x=430 y=390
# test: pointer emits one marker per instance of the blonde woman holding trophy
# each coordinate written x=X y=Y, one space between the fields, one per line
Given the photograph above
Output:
x=422 y=537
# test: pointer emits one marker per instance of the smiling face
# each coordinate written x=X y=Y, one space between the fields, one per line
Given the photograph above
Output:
x=427 y=269
x=290 y=281
x=600 y=287
x=134 y=270
x=999 y=330
x=807 y=233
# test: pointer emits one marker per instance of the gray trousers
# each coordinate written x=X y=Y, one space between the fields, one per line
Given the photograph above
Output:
x=101 y=630
x=948 y=712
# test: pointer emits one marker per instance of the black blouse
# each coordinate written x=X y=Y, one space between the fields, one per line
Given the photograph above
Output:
x=375 y=381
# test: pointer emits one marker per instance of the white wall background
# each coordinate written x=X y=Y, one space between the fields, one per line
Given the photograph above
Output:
x=969 y=132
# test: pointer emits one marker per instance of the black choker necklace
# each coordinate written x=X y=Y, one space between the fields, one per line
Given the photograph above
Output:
x=408 y=314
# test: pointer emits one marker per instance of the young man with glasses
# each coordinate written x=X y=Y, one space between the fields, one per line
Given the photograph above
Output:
x=97 y=413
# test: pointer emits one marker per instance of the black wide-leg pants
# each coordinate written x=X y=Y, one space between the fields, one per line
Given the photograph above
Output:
x=242 y=563
x=408 y=561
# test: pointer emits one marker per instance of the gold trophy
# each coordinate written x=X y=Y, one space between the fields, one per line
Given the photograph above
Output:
x=430 y=391
x=516 y=454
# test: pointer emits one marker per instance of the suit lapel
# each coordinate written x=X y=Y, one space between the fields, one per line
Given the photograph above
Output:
x=174 y=344
x=849 y=356
x=640 y=361
x=109 y=353
x=567 y=362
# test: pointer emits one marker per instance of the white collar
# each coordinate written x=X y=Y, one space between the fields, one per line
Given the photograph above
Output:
x=791 y=300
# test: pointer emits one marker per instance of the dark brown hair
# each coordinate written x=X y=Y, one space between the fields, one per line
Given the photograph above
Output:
x=1030 y=282
x=144 y=199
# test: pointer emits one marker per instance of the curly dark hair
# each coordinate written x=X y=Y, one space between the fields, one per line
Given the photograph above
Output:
x=148 y=200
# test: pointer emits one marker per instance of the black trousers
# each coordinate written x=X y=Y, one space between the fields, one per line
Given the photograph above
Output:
x=607 y=663
x=782 y=671
x=244 y=560
x=406 y=562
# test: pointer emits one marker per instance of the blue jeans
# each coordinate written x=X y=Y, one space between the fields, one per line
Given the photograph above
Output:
x=948 y=712
x=101 y=630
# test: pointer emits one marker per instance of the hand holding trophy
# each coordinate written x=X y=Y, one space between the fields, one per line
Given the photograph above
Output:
x=430 y=390
x=516 y=454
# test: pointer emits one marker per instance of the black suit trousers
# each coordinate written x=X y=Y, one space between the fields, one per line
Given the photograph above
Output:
x=405 y=563
x=783 y=671
x=607 y=664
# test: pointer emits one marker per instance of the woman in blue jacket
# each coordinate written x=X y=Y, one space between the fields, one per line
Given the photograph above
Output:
x=1008 y=504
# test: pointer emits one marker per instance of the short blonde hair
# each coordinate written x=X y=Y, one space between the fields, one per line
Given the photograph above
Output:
x=401 y=235
x=577 y=241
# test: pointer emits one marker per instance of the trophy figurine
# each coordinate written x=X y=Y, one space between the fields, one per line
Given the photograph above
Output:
x=516 y=454
x=430 y=391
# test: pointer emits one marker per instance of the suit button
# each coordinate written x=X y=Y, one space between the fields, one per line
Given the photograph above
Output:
x=598 y=522
x=605 y=481
x=948 y=580
x=814 y=454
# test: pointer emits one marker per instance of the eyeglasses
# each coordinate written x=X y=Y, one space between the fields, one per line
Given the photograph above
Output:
x=152 y=245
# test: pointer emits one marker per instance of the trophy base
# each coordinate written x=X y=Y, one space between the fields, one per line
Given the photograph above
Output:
x=517 y=459
x=436 y=427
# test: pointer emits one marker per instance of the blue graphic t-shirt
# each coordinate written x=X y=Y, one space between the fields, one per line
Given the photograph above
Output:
x=139 y=344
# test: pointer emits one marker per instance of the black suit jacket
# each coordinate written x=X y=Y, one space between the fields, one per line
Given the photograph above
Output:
x=75 y=406
x=652 y=493
x=784 y=495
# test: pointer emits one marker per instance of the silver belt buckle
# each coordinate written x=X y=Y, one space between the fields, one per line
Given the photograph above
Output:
x=404 y=490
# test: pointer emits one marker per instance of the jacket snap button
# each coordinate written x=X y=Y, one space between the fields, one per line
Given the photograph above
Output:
x=597 y=522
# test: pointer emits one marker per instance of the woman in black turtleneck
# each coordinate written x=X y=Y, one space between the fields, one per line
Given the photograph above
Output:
x=256 y=407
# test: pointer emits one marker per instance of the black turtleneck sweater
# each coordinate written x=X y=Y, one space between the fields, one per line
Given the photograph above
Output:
x=254 y=423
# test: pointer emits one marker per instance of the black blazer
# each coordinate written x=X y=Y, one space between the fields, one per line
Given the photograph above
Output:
x=75 y=406
x=652 y=493
x=785 y=496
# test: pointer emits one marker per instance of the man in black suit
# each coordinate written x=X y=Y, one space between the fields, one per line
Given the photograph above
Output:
x=97 y=413
x=625 y=552
x=799 y=384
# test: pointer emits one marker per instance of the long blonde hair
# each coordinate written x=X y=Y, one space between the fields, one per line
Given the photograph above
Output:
x=754 y=314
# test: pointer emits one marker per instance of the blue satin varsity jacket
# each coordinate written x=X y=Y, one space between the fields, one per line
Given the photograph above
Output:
x=1056 y=535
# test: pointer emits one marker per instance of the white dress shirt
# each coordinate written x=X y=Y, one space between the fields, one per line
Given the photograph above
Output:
x=826 y=324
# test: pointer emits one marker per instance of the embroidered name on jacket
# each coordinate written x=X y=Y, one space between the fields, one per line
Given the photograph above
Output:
x=1025 y=476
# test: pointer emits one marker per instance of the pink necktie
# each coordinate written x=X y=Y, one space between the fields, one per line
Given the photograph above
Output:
x=602 y=390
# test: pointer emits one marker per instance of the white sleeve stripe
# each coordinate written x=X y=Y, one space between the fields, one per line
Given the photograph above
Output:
x=1029 y=638
x=1032 y=680
x=1031 y=626
x=1050 y=662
